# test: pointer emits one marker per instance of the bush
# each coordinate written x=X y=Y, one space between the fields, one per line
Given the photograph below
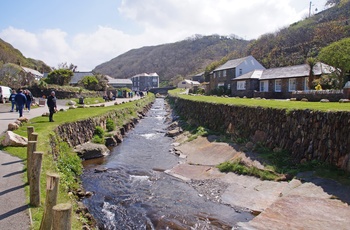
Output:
x=99 y=132
x=110 y=125
x=97 y=139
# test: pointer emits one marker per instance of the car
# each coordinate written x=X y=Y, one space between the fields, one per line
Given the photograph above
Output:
x=5 y=93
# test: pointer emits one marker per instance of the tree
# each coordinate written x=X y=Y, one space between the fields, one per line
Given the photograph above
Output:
x=60 y=77
x=337 y=55
x=89 y=82
x=311 y=62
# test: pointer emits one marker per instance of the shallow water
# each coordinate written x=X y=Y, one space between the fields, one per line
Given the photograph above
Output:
x=135 y=193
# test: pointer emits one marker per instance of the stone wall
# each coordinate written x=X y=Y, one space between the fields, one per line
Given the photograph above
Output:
x=306 y=134
x=79 y=132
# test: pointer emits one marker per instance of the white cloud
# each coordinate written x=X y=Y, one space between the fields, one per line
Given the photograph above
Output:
x=161 y=21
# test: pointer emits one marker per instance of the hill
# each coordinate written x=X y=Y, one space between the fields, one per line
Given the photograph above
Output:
x=183 y=58
x=8 y=54
x=288 y=46
x=294 y=44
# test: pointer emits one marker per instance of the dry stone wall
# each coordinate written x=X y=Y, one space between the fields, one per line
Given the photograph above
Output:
x=79 y=132
x=306 y=134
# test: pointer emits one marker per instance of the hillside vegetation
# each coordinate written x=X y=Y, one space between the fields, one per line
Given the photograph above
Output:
x=294 y=44
x=8 y=54
x=183 y=58
x=288 y=46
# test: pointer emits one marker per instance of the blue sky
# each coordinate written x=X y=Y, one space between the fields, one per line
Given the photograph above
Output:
x=90 y=32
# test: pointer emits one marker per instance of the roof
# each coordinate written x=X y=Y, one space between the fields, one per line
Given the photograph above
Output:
x=232 y=63
x=255 y=74
x=191 y=82
x=115 y=81
x=296 y=71
x=146 y=75
x=199 y=74
x=77 y=76
x=32 y=71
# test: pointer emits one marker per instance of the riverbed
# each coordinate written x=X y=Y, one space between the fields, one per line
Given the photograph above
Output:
x=135 y=192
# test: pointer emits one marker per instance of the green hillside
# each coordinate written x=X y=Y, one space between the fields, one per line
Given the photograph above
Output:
x=9 y=54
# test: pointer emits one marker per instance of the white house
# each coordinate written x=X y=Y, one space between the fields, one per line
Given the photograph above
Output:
x=187 y=84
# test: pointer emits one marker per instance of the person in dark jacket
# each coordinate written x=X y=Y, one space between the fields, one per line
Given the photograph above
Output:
x=29 y=96
x=51 y=103
x=13 y=101
x=21 y=100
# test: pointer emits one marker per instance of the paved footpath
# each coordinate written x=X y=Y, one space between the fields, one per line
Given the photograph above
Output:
x=14 y=211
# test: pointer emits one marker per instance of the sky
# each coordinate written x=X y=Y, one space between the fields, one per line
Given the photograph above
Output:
x=88 y=33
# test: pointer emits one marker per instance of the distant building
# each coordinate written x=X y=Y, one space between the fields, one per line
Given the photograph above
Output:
x=278 y=83
x=33 y=73
x=198 y=77
x=77 y=76
x=144 y=81
x=223 y=75
x=119 y=83
x=187 y=84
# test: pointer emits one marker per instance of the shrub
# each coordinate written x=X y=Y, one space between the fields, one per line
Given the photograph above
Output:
x=99 y=132
x=97 y=139
x=110 y=125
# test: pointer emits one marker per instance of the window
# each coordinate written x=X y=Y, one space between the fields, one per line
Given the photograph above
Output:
x=264 y=86
x=224 y=73
x=292 y=84
x=240 y=72
x=241 y=85
x=278 y=85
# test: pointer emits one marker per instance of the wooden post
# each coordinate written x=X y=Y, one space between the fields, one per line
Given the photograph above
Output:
x=30 y=130
x=35 y=179
x=52 y=182
x=33 y=137
x=31 y=148
x=62 y=217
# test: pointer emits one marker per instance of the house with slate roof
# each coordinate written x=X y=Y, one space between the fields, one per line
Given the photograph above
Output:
x=144 y=81
x=278 y=83
x=119 y=83
x=223 y=75
x=77 y=76
x=33 y=73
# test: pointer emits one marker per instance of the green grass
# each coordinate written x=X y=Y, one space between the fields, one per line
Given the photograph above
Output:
x=67 y=164
x=277 y=104
x=90 y=100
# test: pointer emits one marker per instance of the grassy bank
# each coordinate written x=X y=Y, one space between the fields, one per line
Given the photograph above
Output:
x=67 y=163
x=278 y=104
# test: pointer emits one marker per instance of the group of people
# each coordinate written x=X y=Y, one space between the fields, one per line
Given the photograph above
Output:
x=23 y=100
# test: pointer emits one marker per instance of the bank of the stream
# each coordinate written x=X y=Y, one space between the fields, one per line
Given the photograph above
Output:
x=59 y=155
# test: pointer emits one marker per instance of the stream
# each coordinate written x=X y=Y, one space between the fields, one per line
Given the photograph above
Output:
x=135 y=192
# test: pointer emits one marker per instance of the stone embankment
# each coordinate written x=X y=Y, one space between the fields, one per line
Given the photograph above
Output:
x=80 y=132
x=306 y=134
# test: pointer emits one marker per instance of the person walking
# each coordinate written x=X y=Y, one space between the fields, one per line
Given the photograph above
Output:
x=51 y=103
x=21 y=100
x=13 y=101
x=29 y=97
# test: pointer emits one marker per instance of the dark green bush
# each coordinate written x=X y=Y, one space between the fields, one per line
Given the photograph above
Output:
x=97 y=139
x=99 y=132
x=110 y=125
